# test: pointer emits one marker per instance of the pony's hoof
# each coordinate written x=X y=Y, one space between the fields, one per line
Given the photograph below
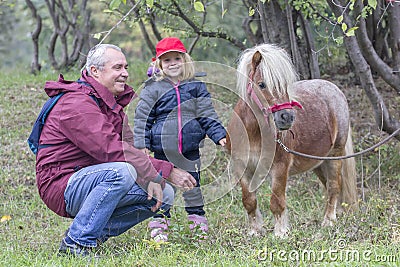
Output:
x=327 y=223
x=256 y=232
x=281 y=233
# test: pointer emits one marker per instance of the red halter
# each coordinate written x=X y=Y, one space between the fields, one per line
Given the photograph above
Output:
x=271 y=109
x=287 y=105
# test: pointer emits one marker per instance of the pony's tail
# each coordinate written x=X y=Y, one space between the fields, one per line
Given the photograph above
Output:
x=348 y=195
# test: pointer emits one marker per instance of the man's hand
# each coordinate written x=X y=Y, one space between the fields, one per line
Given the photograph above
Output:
x=155 y=190
x=181 y=179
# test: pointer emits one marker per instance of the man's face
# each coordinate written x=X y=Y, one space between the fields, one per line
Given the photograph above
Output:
x=114 y=73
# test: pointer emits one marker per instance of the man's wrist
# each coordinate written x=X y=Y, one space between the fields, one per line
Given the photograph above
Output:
x=159 y=178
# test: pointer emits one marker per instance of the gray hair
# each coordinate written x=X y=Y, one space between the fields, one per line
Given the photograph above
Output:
x=95 y=56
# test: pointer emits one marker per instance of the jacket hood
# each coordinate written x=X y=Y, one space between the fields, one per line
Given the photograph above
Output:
x=53 y=88
x=88 y=85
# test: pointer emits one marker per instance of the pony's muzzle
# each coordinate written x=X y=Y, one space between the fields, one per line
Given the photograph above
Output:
x=284 y=119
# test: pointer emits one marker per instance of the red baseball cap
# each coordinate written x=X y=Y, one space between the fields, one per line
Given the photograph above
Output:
x=169 y=44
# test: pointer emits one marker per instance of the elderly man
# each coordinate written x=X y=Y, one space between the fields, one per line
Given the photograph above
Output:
x=87 y=168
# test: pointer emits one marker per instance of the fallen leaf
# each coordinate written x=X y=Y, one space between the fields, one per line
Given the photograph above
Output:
x=5 y=218
x=154 y=244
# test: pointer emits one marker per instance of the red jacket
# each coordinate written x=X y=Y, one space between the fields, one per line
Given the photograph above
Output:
x=83 y=133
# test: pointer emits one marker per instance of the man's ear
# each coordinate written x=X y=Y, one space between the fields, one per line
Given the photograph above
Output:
x=94 y=71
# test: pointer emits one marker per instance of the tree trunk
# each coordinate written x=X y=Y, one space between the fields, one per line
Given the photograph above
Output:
x=263 y=24
x=275 y=19
x=35 y=65
x=377 y=30
x=373 y=59
x=382 y=117
x=312 y=56
x=294 y=47
x=394 y=25
x=70 y=21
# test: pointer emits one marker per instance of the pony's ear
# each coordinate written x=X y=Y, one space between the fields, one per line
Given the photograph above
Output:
x=256 y=59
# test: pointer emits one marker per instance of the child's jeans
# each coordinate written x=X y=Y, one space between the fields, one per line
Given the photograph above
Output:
x=190 y=162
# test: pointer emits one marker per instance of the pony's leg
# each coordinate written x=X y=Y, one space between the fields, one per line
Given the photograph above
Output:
x=329 y=172
x=249 y=200
x=278 y=205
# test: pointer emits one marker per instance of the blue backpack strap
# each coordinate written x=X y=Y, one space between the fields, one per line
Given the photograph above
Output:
x=89 y=85
x=33 y=139
x=95 y=100
x=84 y=83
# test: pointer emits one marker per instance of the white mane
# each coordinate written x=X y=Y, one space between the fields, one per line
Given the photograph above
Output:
x=277 y=69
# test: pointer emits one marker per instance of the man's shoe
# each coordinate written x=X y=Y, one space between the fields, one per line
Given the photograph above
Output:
x=73 y=249
x=98 y=240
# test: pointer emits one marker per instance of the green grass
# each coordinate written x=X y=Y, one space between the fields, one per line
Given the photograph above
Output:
x=31 y=237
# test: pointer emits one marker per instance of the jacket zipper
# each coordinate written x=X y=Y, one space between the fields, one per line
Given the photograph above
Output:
x=178 y=96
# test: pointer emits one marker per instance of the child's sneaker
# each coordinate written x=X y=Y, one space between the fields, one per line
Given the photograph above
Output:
x=198 y=222
x=158 y=227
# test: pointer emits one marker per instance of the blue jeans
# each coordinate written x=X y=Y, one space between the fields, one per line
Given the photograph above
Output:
x=105 y=201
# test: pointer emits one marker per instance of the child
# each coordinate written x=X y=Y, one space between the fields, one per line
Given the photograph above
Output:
x=172 y=118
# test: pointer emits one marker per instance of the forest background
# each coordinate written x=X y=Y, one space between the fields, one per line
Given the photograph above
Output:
x=323 y=37
x=355 y=44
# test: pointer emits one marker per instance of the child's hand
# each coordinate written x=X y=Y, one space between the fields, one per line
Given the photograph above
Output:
x=222 y=142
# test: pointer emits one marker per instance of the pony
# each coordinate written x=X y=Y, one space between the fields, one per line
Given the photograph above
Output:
x=308 y=116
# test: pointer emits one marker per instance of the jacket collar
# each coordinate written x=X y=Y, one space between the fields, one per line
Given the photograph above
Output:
x=107 y=97
x=53 y=88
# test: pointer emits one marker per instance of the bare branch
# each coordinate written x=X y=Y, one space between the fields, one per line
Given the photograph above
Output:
x=142 y=27
x=118 y=23
x=198 y=30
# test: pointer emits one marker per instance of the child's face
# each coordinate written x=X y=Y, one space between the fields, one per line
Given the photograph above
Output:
x=172 y=64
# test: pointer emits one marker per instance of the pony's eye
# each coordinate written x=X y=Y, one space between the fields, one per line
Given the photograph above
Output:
x=261 y=85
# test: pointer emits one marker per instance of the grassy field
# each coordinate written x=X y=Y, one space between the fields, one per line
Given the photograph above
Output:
x=30 y=233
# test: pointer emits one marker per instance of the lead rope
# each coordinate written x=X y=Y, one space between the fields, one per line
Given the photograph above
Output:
x=279 y=141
